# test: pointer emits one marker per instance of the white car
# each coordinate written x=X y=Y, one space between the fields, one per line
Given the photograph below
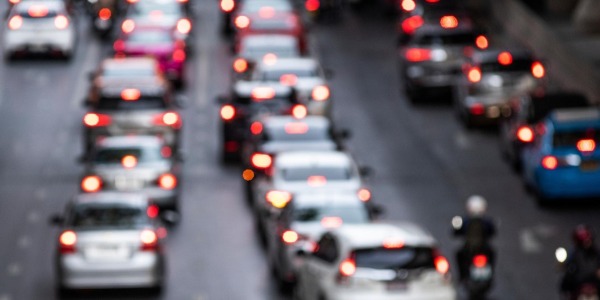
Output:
x=40 y=27
x=304 y=74
x=375 y=262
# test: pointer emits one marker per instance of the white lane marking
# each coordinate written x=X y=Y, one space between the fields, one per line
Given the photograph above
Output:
x=14 y=270
x=24 y=242
x=202 y=77
x=40 y=194
x=91 y=59
x=529 y=242
x=462 y=141
x=33 y=217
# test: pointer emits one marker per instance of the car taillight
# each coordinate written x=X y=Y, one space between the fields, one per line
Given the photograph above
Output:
x=290 y=237
x=15 y=22
x=240 y=65
x=227 y=112
x=278 y=199
x=299 y=111
x=393 y=243
x=505 y=58
x=261 y=161
x=449 y=22
x=96 y=120
x=408 y=5
x=525 y=134
x=67 y=241
x=477 y=109
x=129 y=161
x=441 y=264
x=347 y=267
x=411 y=24
x=288 y=79
x=550 y=162
x=91 y=184
x=474 y=74
x=364 y=195
x=482 y=42
x=119 y=46
x=586 y=145
x=331 y=222
x=417 y=54
x=184 y=26
x=320 y=93
x=312 y=5
x=227 y=5
x=152 y=211
x=538 y=70
x=170 y=118
x=480 y=261
x=242 y=22
x=167 y=181
x=14 y=1
x=149 y=240
x=179 y=55
x=104 y=14
x=256 y=128
x=128 y=26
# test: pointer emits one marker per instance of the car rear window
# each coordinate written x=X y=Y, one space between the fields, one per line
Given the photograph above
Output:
x=107 y=215
x=275 y=75
x=288 y=133
x=271 y=24
x=282 y=51
x=255 y=6
x=152 y=37
x=354 y=214
x=114 y=155
x=394 y=259
x=303 y=174
x=447 y=39
x=569 y=138
x=128 y=72
x=518 y=65
x=145 y=102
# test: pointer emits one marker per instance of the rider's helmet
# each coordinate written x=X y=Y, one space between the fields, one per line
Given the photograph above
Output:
x=476 y=206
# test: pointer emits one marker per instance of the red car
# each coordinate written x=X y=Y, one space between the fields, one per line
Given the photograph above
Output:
x=159 y=43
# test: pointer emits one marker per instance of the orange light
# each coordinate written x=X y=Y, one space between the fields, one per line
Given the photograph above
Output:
x=316 y=181
x=152 y=211
x=227 y=5
x=263 y=93
x=364 y=195
x=525 y=134
x=256 y=128
x=129 y=161
x=68 y=238
x=417 y=54
x=505 y=58
x=96 y=120
x=261 y=160
x=131 y=94
x=549 y=162
x=288 y=79
x=290 y=237
x=474 y=75
x=482 y=42
x=408 y=5
x=248 y=175
x=270 y=59
x=393 y=243
x=449 y=22
x=167 y=181
x=91 y=183
x=312 y=5
x=14 y=1
x=104 y=14
x=278 y=199
x=179 y=55
x=15 y=22
x=227 y=112
x=240 y=65
x=347 y=267
x=170 y=118
x=184 y=26
x=480 y=261
x=442 y=265
x=148 y=237
x=538 y=70
x=331 y=222
x=320 y=93
x=587 y=145
x=266 y=12
x=411 y=24
x=128 y=26
x=242 y=22
x=299 y=111
x=37 y=11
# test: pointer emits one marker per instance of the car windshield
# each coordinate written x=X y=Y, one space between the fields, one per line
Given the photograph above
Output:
x=145 y=102
x=394 y=259
x=94 y=215
x=457 y=39
x=350 y=214
x=304 y=173
x=570 y=138
x=517 y=65
x=116 y=155
x=272 y=24
x=275 y=75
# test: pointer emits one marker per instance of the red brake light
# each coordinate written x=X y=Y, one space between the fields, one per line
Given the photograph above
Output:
x=320 y=93
x=227 y=112
x=316 y=180
x=167 y=181
x=37 y=11
x=449 y=22
x=538 y=70
x=152 y=211
x=417 y=54
x=119 y=46
x=170 y=118
x=256 y=128
x=347 y=267
x=364 y=195
x=149 y=240
x=240 y=65
x=129 y=161
x=549 y=162
x=270 y=59
x=227 y=5
x=131 y=94
x=278 y=199
x=266 y=12
x=482 y=42
x=480 y=260
x=296 y=128
x=477 y=109
x=166 y=151
x=14 y=1
x=586 y=145
x=312 y=5
x=393 y=243
x=411 y=24
x=179 y=55
x=299 y=111
x=67 y=241
x=408 y=5
x=263 y=93
x=104 y=14
x=505 y=58
x=474 y=75
x=184 y=26
x=289 y=237
x=331 y=222
x=91 y=184
x=288 y=79
x=261 y=160
x=525 y=134
x=15 y=22
x=441 y=264
x=96 y=120
x=242 y=22
x=128 y=26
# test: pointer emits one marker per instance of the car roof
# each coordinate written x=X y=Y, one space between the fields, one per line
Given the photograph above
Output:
x=576 y=115
x=129 y=62
x=326 y=198
x=244 y=88
x=312 y=159
x=138 y=141
x=270 y=40
x=314 y=122
x=295 y=63
x=133 y=199
x=491 y=55
x=373 y=235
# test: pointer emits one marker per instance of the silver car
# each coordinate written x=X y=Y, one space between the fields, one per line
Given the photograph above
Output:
x=143 y=164
x=109 y=240
x=39 y=27
x=262 y=47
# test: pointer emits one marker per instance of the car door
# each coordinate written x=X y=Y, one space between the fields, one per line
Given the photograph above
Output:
x=319 y=268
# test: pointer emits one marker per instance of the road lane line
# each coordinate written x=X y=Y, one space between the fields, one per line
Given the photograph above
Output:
x=462 y=141
x=40 y=194
x=24 y=242
x=33 y=217
x=14 y=270
x=89 y=63
x=529 y=242
x=203 y=75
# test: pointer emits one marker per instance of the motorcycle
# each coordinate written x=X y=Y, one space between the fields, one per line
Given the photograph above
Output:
x=585 y=290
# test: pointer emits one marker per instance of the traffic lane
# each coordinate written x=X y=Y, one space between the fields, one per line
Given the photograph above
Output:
x=427 y=164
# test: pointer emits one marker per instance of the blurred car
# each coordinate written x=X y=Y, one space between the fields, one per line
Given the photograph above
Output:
x=563 y=160
x=109 y=240
x=490 y=79
x=40 y=27
x=169 y=51
x=432 y=57
x=302 y=222
x=269 y=17
x=142 y=164
x=228 y=8
x=129 y=96
x=267 y=48
x=375 y=261
x=295 y=172
x=164 y=14
x=104 y=15
x=303 y=74
x=425 y=8
x=246 y=101
x=518 y=130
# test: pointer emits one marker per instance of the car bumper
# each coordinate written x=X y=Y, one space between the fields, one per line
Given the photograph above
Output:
x=431 y=77
x=31 y=41
x=169 y=134
x=421 y=294
x=568 y=183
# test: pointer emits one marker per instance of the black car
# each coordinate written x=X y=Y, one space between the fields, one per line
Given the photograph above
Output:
x=528 y=110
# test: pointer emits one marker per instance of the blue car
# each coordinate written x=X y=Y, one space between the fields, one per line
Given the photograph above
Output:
x=564 y=159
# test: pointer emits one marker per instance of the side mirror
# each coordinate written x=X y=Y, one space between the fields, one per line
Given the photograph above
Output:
x=170 y=217
x=56 y=220
x=328 y=73
x=365 y=171
x=181 y=101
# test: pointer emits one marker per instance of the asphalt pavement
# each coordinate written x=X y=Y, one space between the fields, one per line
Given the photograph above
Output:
x=426 y=164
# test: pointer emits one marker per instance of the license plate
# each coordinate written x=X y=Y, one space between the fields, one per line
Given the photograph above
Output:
x=107 y=252
x=125 y=183
x=589 y=166
x=397 y=286
x=481 y=273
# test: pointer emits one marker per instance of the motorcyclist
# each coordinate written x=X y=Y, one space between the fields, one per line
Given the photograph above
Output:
x=583 y=262
x=477 y=230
